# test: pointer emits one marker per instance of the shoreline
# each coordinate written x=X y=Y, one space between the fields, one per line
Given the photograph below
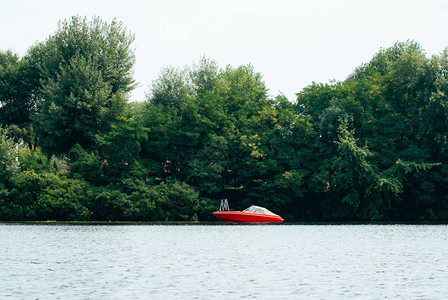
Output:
x=204 y=223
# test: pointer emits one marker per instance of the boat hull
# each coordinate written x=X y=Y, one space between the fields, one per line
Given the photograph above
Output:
x=246 y=217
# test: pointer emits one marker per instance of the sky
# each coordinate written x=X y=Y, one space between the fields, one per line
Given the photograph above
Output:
x=292 y=43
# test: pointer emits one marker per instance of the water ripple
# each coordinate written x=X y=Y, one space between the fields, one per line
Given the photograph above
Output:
x=225 y=262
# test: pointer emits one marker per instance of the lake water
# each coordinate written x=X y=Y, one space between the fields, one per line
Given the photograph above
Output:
x=223 y=261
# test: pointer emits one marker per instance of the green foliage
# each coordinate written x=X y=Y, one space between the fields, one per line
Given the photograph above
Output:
x=159 y=149
x=8 y=154
x=171 y=89
x=105 y=45
x=371 y=147
x=176 y=202
x=203 y=75
x=18 y=87
x=34 y=160
x=85 y=70
x=386 y=103
x=86 y=166
x=110 y=204
x=45 y=196
x=144 y=198
x=62 y=199
x=24 y=135
x=120 y=149
x=315 y=98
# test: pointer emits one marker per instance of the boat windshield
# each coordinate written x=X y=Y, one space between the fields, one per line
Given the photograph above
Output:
x=259 y=210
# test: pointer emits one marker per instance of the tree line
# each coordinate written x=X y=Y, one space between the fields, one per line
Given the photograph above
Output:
x=373 y=147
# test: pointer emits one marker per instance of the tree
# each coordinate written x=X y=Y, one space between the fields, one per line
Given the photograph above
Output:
x=383 y=105
x=86 y=72
x=171 y=89
x=435 y=126
x=120 y=149
x=18 y=90
x=434 y=130
x=171 y=103
x=203 y=75
x=8 y=154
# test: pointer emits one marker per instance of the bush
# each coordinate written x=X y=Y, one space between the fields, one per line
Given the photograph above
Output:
x=63 y=199
x=176 y=201
x=45 y=196
x=33 y=160
x=8 y=164
x=111 y=205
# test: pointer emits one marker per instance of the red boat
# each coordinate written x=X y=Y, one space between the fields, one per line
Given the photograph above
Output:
x=253 y=214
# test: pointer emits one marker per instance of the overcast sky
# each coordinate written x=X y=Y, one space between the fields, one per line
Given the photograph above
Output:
x=291 y=42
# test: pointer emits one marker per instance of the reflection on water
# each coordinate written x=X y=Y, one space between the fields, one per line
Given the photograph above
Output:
x=226 y=262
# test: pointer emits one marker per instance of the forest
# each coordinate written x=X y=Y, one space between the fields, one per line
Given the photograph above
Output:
x=373 y=147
